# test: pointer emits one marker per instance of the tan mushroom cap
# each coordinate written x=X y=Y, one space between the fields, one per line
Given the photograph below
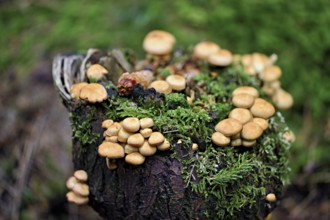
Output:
x=146 y=132
x=271 y=197
x=251 y=131
x=220 y=58
x=204 y=49
x=194 y=146
x=135 y=158
x=146 y=123
x=131 y=124
x=107 y=123
x=268 y=90
x=159 y=42
x=246 y=89
x=161 y=86
x=76 y=89
x=71 y=182
x=275 y=84
x=135 y=140
x=129 y=149
x=111 y=164
x=156 y=138
x=263 y=123
x=93 y=92
x=246 y=143
x=113 y=139
x=164 y=146
x=123 y=135
x=241 y=114
x=220 y=139
x=176 y=82
x=246 y=60
x=147 y=150
x=79 y=200
x=271 y=74
x=229 y=127
x=250 y=70
x=113 y=129
x=111 y=150
x=243 y=100
x=282 y=99
x=96 y=71
x=259 y=61
x=81 y=189
x=262 y=109
x=81 y=175
x=236 y=142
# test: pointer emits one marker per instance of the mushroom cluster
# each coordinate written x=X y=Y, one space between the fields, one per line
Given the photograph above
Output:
x=90 y=92
x=261 y=66
x=246 y=122
x=132 y=139
x=79 y=190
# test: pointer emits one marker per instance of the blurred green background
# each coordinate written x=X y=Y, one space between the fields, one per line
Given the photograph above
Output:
x=32 y=32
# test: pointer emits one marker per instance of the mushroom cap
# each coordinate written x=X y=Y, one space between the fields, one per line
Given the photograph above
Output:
x=282 y=99
x=250 y=70
x=204 y=49
x=81 y=189
x=246 y=143
x=147 y=150
x=135 y=140
x=96 y=71
x=271 y=74
x=243 y=100
x=176 y=82
x=135 y=158
x=246 y=60
x=129 y=149
x=220 y=58
x=79 y=200
x=246 y=89
x=164 y=146
x=93 y=92
x=161 y=86
x=113 y=130
x=236 y=142
x=76 y=89
x=156 y=138
x=107 y=123
x=229 y=127
x=268 y=90
x=259 y=61
x=251 y=131
x=71 y=182
x=271 y=197
x=220 y=139
x=146 y=123
x=158 y=42
x=241 y=114
x=81 y=175
x=113 y=139
x=194 y=146
x=262 y=109
x=111 y=150
x=263 y=123
x=123 y=135
x=146 y=132
x=131 y=124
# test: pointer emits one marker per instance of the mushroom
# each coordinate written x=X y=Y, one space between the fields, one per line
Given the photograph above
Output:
x=96 y=72
x=246 y=143
x=129 y=149
x=250 y=70
x=159 y=42
x=164 y=146
x=282 y=99
x=176 y=82
x=229 y=127
x=271 y=74
x=123 y=135
x=79 y=200
x=251 y=131
x=127 y=81
x=107 y=123
x=76 y=89
x=71 y=182
x=243 y=100
x=113 y=130
x=236 y=142
x=131 y=124
x=81 y=189
x=220 y=58
x=241 y=114
x=259 y=62
x=161 y=86
x=147 y=150
x=135 y=140
x=246 y=89
x=93 y=92
x=156 y=138
x=194 y=146
x=262 y=109
x=81 y=175
x=263 y=123
x=146 y=123
x=146 y=132
x=220 y=139
x=135 y=158
x=113 y=139
x=271 y=197
x=204 y=49
x=111 y=150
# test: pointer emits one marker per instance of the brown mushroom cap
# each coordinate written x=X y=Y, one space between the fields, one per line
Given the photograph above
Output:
x=113 y=139
x=243 y=100
x=76 y=89
x=246 y=60
x=220 y=139
x=113 y=129
x=79 y=200
x=229 y=127
x=81 y=189
x=164 y=146
x=123 y=135
x=111 y=150
x=259 y=61
x=146 y=132
x=282 y=99
x=194 y=146
x=241 y=114
x=147 y=150
x=268 y=90
x=271 y=197
x=246 y=143
x=221 y=58
x=176 y=82
x=204 y=49
x=146 y=123
x=129 y=149
x=107 y=123
x=81 y=175
x=93 y=92
x=158 y=42
x=251 y=131
x=135 y=140
x=262 y=109
x=246 y=89
x=271 y=74
x=96 y=71
x=135 y=158
x=71 y=182
x=161 y=86
x=156 y=138
x=131 y=124
x=236 y=142
x=263 y=123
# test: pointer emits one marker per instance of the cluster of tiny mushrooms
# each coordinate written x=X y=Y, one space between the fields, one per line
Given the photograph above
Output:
x=79 y=190
x=134 y=139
